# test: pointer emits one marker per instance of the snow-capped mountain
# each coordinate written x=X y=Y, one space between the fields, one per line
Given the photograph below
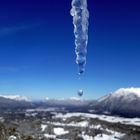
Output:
x=15 y=97
x=8 y=103
x=124 y=101
x=123 y=95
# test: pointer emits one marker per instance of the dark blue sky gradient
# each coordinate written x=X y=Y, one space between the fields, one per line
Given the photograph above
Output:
x=37 y=56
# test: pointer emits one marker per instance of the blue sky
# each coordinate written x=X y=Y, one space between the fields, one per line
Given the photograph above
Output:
x=37 y=57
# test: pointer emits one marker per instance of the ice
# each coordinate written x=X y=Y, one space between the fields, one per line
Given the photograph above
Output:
x=80 y=15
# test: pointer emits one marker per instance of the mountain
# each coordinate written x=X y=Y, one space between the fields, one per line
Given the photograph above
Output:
x=17 y=102
x=15 y=97
x=124 y=102
x=12 y=104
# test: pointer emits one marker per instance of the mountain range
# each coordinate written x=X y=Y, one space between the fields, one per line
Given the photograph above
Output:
x=123 y=102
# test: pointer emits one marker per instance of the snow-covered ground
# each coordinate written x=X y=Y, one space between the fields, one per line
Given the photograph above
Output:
x=43 y=127
x=60 y=131
x=100 y=137
x=73 y=124
x=56 y=132
x=112 y=135
x=112 y=119
x=51 y=136
x=63 y=127
x=105 y=137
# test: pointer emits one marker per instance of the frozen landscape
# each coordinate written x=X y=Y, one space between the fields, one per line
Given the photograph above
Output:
x=68 y=119
x=69 y=70
x=53 y=125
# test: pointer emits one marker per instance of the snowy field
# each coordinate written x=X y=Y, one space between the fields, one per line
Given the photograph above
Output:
x=112 y=119
x=61 y=128
x=76 y=126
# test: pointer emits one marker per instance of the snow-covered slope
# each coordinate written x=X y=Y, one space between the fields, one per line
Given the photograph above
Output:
x=124 y=101
x=15 y=97
x=125 y=94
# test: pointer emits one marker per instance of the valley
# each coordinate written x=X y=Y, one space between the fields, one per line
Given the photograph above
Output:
x=44 y=124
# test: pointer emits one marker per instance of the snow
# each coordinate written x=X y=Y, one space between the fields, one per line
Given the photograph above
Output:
x=50 y=136
x=59 y=127
x=114 y=133
x=62 y=139
x=15 y=97
x=57 y=131
x=112 y=119
x=43 y=127
x=127 y=94
x=31 y=114
x=2 y=119
x=118 y=134
x=112 y=136
x=60 y=131
x=127 y=91
x=97 y=126
x=87 y=137
x=12 y=138
x=73 y=124
x=82 y=124
x=105 y=137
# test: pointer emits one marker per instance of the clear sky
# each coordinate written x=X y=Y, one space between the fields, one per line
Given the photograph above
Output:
x=37 y=57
